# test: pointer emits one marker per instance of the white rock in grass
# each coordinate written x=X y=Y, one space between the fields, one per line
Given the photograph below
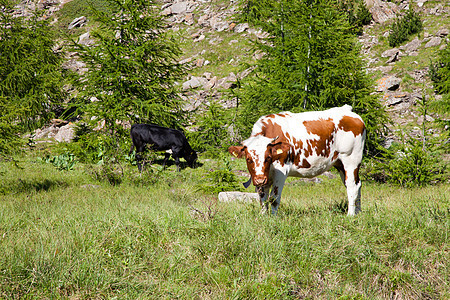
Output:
x=434 y=41
x=238 y=196
x=179 y=8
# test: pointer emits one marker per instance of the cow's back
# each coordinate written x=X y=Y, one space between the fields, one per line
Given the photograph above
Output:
x=286 y=125
x=161 y=138
x=317 y=138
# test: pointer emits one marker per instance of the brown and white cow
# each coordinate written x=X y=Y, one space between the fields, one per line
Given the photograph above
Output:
x=304 y=145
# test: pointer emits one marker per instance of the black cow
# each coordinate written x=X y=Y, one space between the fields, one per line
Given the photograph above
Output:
x=161 y=139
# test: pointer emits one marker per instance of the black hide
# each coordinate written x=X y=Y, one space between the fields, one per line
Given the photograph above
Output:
x=162 y=139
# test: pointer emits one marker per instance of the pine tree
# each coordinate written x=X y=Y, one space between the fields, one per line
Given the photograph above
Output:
x=439 y=73
x=132 y=69
x=311 y=62
x=31 y=76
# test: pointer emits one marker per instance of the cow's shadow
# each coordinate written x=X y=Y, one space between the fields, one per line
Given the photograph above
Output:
x=30 y=185
x=170 y=162
x=338 y=207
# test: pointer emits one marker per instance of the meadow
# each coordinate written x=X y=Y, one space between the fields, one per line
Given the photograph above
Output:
x=160 y=235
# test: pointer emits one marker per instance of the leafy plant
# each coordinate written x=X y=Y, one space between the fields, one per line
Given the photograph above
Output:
x=10 y=139
x=65 y=161
x=88 y=145
x=403 y=27
x=408 y=165
x=439 y=71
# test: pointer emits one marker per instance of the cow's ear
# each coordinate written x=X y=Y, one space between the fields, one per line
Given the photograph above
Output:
x=237 y=151
x=280 y=151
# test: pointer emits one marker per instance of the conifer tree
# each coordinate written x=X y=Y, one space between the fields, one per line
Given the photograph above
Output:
x=132 y=69
x=311 y=62
x=31 y=76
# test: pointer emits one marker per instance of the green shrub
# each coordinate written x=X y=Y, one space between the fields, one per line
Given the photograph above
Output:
x=403 y=27
x=220 y=180
x=65 y=161
x=357 y=14
x=415 y=162
x=440 y=72
x=87 y=145
x=363 y=14
x=107 y=172
x=94 y=146
x=211 y=135
x=408 y=165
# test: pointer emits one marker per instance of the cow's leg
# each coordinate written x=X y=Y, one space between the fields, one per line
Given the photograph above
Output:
x=166 y=158
x=353 y=185
x=340 y=167
x=139 y=149
x=275 y=194
x=177 y=163
x=138 y=162
x=263 y=193
x=177 y=160
x=176 y=154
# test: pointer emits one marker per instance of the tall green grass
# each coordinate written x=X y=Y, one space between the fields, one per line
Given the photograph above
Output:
x=64 y=235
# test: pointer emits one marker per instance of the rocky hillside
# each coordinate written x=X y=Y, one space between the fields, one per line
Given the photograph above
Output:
x=215 y=45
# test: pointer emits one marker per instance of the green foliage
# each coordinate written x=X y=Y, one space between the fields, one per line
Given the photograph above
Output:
x=10 y=140
x=253 y=11
x=31 y=77
x=440 y=71
x=311 y=62
x=211 y=134
x=132 y=71
x=64 y=162
x=221 y=179
x=357 y=14
x=404 y=27
x=415 y=162
x=88 y=145
x=407 y=165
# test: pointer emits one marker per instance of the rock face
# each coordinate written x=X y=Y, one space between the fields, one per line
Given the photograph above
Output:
x=390 y=83
x=382 y=11
x=78 y=22
x=412 y=46
x=433 y=42
x=60 y=130
x=65 y=133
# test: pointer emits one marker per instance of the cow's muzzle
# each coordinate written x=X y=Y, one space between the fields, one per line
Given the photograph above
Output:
x=259 y=181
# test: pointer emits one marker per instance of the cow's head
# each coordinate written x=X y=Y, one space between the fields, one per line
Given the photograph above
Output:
x=260 y=152
x=191 y=158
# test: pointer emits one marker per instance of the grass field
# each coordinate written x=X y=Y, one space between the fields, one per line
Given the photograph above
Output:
x=157 y=236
